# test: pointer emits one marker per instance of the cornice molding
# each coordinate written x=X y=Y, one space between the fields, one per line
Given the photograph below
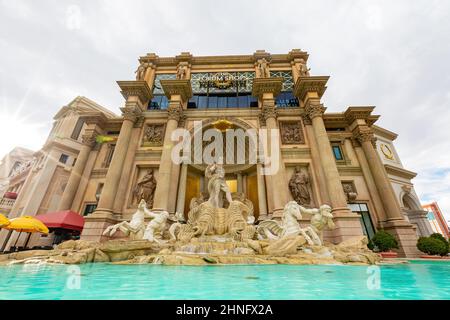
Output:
x=138 y=89
x=267 y=85
x=177 y=87
x=310 y=84
x=400 y=172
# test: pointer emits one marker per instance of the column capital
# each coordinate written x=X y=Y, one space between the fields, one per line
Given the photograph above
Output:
x=89 y=138
x=175 y=111
x=267 y=85
x=130 y=112
x=181 y=88
x=314 y=109
x=306 y=119
x=137 y=89
x=310 y=84
x=364 y=134
x=268 y=110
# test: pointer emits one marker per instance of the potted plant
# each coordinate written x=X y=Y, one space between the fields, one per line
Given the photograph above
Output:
x=385 y=242
x=435 y=246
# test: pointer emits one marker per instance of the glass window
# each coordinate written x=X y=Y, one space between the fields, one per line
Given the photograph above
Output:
x=212 y=102
x=366 y=222
x=63 y=158
x=202 y=101
x=232 y=102
x=89 y=209
x=77 y=130
x=337 y=152
x=221 y=102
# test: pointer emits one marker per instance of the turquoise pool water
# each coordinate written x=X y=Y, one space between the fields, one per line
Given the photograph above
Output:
x=417 y=280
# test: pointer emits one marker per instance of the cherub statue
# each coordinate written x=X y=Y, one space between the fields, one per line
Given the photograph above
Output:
x=155 y=228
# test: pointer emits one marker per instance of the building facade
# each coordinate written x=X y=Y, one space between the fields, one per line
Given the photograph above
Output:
x=341 y=159
x=437 y=219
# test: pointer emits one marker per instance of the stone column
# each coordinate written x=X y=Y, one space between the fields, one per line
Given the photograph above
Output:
x=182 y=188
x=178 y=92
x=309 y=90
x=395 y=222
x=315 y=157
x=137 y=94
x=261 y=193
x=240 y=187
x=266 y=89
x=89 y=139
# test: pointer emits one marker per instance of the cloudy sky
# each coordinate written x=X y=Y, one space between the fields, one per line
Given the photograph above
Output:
x=391 y=54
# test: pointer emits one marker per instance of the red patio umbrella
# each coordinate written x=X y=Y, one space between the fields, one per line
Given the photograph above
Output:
x=63 y=219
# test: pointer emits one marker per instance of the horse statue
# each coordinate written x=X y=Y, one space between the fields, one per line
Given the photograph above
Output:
x=289 y=226
x=135 y=228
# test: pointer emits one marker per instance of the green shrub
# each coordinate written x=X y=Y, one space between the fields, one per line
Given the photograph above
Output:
x=435 y=244
x=440 y=237
x=384 y=241
x=370 y=245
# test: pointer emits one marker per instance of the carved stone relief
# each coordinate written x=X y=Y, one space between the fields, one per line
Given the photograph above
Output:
x=291 y=133
x=145 y=188
x=350 y=190
x=154 y=135
x=300 y=186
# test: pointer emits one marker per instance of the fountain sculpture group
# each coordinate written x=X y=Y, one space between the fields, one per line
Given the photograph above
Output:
x=221 y=229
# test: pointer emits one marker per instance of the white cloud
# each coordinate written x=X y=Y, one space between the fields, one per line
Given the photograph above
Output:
x=390 y=54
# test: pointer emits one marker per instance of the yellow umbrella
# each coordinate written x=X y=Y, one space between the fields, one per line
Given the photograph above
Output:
x=26 y=224
x=4 y=221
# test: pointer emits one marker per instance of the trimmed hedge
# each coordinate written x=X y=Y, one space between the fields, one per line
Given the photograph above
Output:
x=384 y=241
x=432 y=246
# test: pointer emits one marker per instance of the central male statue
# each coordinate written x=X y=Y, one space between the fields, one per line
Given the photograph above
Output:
x=217 y=185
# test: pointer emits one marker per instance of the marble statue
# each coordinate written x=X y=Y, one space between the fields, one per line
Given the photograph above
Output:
x=140 y=72
x=145 y=188
x=299 y=186
x=289 y=226
x=320 y=219
x=135 y=228
x=156 y=227
x=217 y=185
x=263 y=68
x=303 y=70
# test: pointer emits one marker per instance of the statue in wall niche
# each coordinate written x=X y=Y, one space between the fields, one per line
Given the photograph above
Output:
x=303 y=70
x=299 y=185
x=135 y=228
x=263 y=68
x=181 y=72
x=140 y=72
x=145 y=188
x=217 y=186
x=289 y=226
x=154 y=134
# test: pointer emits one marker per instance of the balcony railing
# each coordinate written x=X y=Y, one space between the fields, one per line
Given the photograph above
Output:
x=7 y=204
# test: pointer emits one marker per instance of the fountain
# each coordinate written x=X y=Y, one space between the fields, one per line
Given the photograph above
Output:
x=218 y=230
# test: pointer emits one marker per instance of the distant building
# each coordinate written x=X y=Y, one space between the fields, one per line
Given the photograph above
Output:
x=437 y=219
